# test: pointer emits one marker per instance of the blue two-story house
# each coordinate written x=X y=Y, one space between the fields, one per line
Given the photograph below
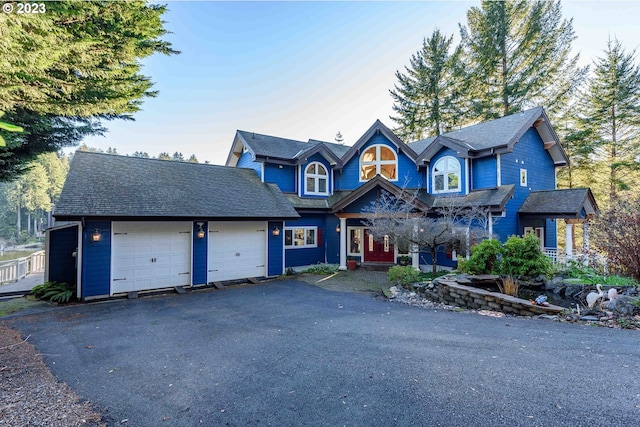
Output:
x=139 y=224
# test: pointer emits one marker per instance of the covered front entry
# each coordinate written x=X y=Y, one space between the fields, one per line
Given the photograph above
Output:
x=237 y=250
x=150 y=255
x=377 y=250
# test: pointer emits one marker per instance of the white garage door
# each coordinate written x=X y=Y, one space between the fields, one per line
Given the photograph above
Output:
x=237 y=250
x=150 y=255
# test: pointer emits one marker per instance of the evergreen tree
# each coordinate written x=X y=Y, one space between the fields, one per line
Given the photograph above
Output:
x=64 y=70
x=519 y=57
x=193 y=159
x=142 y=154
x=178 y=157
x=164 y=156
x=611 y=116
x=427 y=98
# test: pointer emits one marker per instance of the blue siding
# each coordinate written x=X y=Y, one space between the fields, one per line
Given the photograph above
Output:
x=529 y=154
x=283 y=176
x=96 y=259
x=349 y=178
x=306 y=256
x=332 y=239
x=325 y=163
x=199 y=266
x=551 y=234
x=444 y=152
x=275 y=247
x=245 y=161
x=62 y=264
x=484 y=173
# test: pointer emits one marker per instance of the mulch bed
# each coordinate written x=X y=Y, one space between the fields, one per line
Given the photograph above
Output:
x=30 y=395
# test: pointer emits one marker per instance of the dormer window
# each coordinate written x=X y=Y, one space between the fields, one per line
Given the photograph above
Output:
x=378 y=160
x=315 y=179
x=446 y=175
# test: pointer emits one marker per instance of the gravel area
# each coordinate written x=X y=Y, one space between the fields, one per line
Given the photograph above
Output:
x=30 y=395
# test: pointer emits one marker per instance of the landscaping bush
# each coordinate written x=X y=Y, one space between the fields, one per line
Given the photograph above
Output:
x=322 y=269
x=485 y=258
x=521 y=256
x=403 y=275
x=53 y=291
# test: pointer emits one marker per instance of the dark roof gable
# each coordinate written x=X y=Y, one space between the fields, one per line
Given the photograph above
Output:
x=495 y=136
x=376 y=128
x=103 y=185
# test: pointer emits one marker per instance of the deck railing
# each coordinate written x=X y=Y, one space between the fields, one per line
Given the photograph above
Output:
x=16 y=269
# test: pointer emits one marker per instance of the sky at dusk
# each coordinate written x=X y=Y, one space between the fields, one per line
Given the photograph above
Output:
x=303 y=70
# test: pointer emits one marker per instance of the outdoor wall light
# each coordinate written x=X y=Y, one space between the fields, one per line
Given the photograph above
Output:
x=276 y=231
x=96 y=235
x=200 y=232
x=338 y=228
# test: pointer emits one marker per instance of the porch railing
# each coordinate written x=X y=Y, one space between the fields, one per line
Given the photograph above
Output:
x=560 y=259
x=16 y=269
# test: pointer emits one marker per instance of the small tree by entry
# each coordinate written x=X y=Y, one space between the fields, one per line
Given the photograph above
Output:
x=408 y=222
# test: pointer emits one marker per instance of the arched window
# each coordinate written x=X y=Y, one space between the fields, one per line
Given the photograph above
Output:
x=446 y=175
x=315 y=179
x=378 y=160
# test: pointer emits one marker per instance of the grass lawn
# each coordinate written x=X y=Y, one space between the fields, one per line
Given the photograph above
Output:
x=15 y=255
x=12 y=305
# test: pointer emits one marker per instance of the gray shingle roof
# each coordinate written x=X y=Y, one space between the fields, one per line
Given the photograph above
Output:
x=273 y=146
x=102 y=185
x=498 y=132
x=492 y=197
x=561 y=203
x=316 y=203
x=497 y=135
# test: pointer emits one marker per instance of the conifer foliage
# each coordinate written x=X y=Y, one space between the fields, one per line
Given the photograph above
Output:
x=65 y=70
x=514 y=54
x=428 y=94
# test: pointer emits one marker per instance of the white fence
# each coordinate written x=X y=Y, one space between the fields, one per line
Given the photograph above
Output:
x=14 y=270
x=560 y=259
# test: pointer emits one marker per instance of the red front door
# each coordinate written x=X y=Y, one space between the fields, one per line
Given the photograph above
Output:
x=377 y=250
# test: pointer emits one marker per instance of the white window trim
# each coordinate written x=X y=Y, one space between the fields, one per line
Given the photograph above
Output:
x=445 y=175
x=378 y=163
x=523 y=174
x=305 y=228
x=316 y=177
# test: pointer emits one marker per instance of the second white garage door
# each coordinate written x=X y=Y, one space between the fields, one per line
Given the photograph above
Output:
x=237 y=250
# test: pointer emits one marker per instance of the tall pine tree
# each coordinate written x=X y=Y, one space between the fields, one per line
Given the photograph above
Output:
x=611 y=116
x=428 y=94
x=65 y=70
x=519 y=56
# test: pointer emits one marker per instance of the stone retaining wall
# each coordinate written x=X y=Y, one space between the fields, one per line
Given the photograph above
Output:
x=452 y=293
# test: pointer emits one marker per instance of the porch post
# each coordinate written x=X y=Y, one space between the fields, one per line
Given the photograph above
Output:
x=343 y=244
x=585 y=237
x=568 y=240
x=415 y=251
x=490 y=228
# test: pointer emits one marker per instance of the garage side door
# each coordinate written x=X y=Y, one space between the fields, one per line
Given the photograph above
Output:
x=237 y=250
x=150 y=255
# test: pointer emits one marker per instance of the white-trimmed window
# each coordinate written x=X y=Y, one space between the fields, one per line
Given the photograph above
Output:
x=446 y=175
x=300 y=237
x=379 y=160
x=523 y=177
x=316 y=179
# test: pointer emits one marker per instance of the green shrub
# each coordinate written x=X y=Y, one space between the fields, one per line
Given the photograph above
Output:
x=399 y=275
x=322 y=269
x=484 y=259
x=521 y=256
x=53 y=291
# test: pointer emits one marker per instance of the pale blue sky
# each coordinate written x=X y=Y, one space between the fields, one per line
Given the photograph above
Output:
x=302 y=70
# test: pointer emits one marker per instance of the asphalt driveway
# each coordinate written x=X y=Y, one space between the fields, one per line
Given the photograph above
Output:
x=287 y=353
